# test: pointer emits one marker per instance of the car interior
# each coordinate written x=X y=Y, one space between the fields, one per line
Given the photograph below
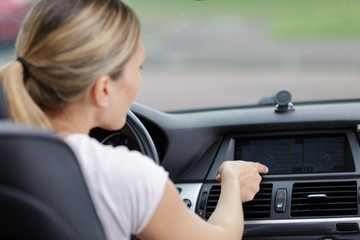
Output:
x=310 y=145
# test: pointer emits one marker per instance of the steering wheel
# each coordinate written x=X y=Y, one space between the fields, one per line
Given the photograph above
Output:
x=134 y=135
x=143 y=137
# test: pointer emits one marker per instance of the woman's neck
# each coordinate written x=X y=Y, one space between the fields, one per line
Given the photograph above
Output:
x=73 y=119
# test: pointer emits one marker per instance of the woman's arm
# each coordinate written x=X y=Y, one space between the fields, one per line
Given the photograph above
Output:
x=173 y=220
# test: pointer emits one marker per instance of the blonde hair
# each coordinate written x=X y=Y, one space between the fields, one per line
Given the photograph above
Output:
x=67 y=46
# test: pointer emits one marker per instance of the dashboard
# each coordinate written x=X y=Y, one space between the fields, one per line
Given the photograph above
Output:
x=313 y=155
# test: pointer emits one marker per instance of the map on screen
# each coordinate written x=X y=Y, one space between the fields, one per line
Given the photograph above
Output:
x=294 y=155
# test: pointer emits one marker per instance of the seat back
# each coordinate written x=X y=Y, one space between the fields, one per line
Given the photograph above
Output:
x=43 y=194
x=4 y=114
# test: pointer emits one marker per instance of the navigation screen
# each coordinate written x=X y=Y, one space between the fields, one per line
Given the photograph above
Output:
x=294 y=155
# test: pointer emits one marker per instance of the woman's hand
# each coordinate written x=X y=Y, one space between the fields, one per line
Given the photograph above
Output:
x=246 y=173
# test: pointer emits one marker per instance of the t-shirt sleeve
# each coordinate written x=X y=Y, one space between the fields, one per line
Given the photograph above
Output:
x=144 y=183
x=126 y=186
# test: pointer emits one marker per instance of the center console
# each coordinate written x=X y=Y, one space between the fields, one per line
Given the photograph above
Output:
x=312 y=186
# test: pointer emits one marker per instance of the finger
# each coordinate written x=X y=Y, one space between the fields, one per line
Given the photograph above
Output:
x=262 y=168
x=218 y=178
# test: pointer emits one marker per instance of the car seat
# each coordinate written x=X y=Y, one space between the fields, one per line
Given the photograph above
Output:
x=43 y=194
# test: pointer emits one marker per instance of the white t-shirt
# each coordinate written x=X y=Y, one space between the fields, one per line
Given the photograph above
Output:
x=126 y=186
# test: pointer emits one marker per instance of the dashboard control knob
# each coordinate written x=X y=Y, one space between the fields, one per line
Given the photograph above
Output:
x=203 y=200
x=187 y=202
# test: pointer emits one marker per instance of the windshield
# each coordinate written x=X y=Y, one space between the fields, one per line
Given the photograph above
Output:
x=205 y=54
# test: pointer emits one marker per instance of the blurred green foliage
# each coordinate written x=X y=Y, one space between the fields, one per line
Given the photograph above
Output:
x=286 y=18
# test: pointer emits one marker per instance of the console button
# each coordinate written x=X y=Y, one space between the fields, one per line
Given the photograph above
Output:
x=280 y=206
x=281 y=194
x=280 y=200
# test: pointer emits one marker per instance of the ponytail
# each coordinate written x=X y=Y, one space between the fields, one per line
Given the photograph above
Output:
x=22 y=107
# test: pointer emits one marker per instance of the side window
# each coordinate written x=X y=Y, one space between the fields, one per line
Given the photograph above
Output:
x=12 y=13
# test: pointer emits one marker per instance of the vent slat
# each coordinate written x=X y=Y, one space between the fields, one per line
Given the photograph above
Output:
x=330 y=200
x=327 y=192
x=259 y=207
x=259 y=201
x=323 y=206
x=328 y=210
x=340 y=198
x=327 y=185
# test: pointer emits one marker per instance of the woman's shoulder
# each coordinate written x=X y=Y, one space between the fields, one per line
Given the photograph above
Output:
x=84 y=144
x=89 y=151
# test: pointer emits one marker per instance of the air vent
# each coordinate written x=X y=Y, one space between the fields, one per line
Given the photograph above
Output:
x=259 y=207
x=212 y=200
x=324 y=199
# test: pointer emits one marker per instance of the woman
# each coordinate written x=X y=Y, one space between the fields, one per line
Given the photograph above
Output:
x=77 y=68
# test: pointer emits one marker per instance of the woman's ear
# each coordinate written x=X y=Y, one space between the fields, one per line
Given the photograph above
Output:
x=100 y=92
